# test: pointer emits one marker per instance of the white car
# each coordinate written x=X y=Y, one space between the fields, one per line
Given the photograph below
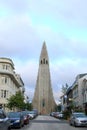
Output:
x=78 y=119
x=31 y=114
x=60 y=115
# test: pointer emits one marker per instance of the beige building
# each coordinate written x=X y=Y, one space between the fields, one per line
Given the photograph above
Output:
x=43 y=99
x=10 y=82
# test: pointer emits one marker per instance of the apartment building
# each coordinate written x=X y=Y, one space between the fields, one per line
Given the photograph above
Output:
x=84 y=92
x=78 y=89
x=10 y=81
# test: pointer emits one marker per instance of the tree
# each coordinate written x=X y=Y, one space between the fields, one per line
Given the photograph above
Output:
x=28 y=106
x=16 y=101
x=64 y=88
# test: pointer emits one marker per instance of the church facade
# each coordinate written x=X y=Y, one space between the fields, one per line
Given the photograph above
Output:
x=43 y=99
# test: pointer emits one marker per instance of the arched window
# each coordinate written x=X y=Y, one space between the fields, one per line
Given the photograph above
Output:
x=43 y=102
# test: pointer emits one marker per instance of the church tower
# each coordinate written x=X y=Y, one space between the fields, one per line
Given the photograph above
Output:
x=43 y=99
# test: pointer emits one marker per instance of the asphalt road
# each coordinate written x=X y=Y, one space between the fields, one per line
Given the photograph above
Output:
x=49 y=123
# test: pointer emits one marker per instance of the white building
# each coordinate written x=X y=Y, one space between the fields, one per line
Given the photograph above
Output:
x=78 y=90
x=84 y=93
x=10 y=82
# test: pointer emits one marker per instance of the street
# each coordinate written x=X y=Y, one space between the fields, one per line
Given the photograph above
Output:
x=49 y=123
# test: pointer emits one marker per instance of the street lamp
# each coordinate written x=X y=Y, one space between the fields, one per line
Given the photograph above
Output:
x=70 y=99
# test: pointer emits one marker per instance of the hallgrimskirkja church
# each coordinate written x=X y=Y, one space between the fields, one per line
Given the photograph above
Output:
x=43 y=99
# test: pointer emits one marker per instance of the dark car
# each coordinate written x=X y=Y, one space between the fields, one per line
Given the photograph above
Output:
x=16 y=119
x=4 y=121
x=78 y=119
x=26 y=117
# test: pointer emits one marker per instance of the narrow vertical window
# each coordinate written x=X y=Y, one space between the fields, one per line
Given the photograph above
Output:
x=5 y=80
x=44 y=60
x=3 y=66
x=43 y=103
x=41 y=62
x=6 y=67
x=4 y=93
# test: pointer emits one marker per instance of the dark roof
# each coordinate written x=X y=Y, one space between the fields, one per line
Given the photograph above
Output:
x=81 y=75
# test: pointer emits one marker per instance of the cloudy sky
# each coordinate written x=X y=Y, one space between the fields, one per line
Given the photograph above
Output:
x=26 y=24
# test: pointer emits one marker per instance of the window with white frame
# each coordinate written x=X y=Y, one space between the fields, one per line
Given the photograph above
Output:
x=4 y=94
x=5 y=66
x=4 y=80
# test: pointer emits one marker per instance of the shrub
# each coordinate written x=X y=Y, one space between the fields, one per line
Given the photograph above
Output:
x=66 y=114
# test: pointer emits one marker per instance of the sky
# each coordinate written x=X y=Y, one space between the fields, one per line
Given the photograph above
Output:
x=62 y=24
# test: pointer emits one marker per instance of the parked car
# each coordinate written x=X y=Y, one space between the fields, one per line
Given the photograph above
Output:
x=31 y=114
x=56 y=114
x=4 y=121
x=60 y=115
x=36 y=112
x=26 y=117
x=52 y=114
x=16 y=119
x=78 y=119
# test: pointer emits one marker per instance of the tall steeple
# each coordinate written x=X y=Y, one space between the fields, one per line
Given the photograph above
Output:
x=43 y=97
x=44 y=53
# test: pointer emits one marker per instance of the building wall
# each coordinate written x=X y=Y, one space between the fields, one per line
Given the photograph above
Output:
x=10 y=82
x=78 y=91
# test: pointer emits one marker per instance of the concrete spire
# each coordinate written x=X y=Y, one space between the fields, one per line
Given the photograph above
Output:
x=43 y=97
x=44 y=54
